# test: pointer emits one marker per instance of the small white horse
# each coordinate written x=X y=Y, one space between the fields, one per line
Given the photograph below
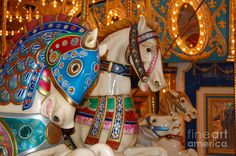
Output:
x=108 y=114
x=159 y=134
x=173 y=102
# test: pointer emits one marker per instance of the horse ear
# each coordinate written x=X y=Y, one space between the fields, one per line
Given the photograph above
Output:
x=91 y=39
x=142 y=25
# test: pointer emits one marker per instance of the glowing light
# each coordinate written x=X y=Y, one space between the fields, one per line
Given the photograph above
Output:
x=173 y=20
x=199 y=17
x=202 y=33
x=191 y=3
x=138 y=5
x=201 y=25
x=164 y=90
x=110 y=12
x=174 y=12
x=201 y=41
x=54 y=4
x=233 y=41
x=176 y=4
x=178 y=43
x=173 y=28
x=233 y=52
x=191 y=53
x=93 y=1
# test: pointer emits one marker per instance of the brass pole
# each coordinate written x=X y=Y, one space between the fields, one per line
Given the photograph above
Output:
x=3 y=23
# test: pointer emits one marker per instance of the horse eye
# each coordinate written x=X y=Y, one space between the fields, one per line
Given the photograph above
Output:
x=154 y=120
x=182 y=101
x=149 y=49
x=74 y=67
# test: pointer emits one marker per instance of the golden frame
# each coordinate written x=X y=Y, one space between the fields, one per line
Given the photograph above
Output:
x=203 y=119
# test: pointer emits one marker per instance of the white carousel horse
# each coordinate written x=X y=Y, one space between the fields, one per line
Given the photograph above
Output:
x=149 y=128
x=48 y=71
x=174 y=102
x=108 y=114
x=155 y=133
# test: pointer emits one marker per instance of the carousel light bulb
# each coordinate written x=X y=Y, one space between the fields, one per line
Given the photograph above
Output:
x=73 y=2
x=233 y=52
x=191 y=53
x=174 y=12
x=93 y=1
x=202 y=33
x=199 y=17
x=19 y=1
x=201 y=41
x=178 y=42
x=61 y=0
x=20 y=19
x=138 y=5
x=110 y=12
x=12 y=33
x=164 y=90
x=176 y=4
x=191 y=2
x=43 y=3
x=233 y=41
x=173 y=28
x=201 y=25
x=173 y=20
x=6 y=33
x=54 y=4
x=10 y=18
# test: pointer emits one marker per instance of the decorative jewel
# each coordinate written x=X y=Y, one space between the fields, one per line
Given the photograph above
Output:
x=64 y=43
x=74 y=42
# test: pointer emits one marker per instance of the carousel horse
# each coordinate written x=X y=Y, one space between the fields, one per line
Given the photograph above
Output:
x=165 y=132
x=107 y=115
x=174 y=102
x=43 y=79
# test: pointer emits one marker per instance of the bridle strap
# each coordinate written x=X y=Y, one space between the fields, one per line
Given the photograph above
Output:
x=134 y=51
x=155 y=129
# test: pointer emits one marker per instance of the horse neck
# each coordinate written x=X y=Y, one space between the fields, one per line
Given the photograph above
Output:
x=110 y=83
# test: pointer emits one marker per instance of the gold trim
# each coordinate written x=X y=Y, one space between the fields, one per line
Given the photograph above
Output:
x=109 y=66
x=202 y=14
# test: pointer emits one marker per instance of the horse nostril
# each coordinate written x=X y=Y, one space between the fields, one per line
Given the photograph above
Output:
x=55 y=119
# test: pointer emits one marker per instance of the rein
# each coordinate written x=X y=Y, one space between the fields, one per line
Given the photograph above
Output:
x=134 y=52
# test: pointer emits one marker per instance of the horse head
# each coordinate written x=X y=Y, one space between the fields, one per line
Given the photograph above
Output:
x=71 y=74
x=145 y=56
x=159 y=126
x=181 y=103
x=51 y=66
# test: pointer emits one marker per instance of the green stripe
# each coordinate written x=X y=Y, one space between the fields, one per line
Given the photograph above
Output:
x=94 y=103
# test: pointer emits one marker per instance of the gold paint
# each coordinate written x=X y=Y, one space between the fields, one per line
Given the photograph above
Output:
x=202 y=17
x=53 y=134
